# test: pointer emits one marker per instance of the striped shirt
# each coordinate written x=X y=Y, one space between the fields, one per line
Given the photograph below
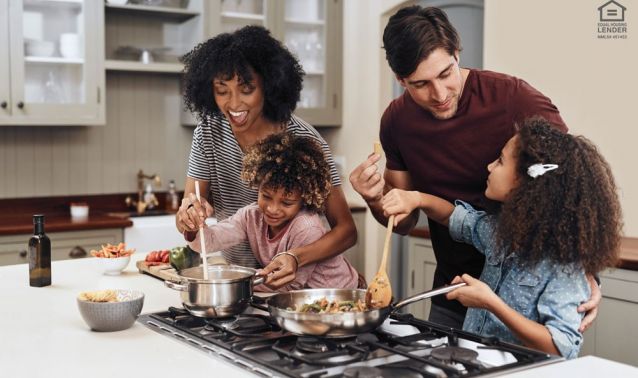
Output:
x=217 y=158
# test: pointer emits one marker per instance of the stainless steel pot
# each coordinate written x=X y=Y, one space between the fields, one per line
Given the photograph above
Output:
x=226 y=292
x=280 y=307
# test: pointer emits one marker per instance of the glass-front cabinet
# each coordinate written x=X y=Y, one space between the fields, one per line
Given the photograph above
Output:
x=312 y=30
x=55 y=65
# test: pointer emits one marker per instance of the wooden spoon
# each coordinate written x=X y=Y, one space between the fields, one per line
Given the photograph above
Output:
x=379 y=293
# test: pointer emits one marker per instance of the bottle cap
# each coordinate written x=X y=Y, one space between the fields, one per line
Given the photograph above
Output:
x=39 y=218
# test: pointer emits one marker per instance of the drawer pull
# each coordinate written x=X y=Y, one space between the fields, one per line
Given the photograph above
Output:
x=23 y=253
x=77 y=252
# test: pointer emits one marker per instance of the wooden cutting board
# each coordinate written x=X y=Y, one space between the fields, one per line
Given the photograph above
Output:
x=163 y=271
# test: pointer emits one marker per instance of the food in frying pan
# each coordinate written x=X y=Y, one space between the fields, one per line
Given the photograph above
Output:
x=323 y=305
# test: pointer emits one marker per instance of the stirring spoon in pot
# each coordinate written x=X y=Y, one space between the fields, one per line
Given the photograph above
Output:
x=202 y=243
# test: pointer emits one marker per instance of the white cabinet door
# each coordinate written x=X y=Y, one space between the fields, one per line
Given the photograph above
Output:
x=5 y=89
x=420 y=266
x=56 y=62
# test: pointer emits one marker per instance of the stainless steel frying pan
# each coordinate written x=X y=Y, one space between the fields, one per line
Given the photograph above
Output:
x=336 y=324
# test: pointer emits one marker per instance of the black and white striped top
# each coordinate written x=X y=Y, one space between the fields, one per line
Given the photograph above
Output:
x=217 y=158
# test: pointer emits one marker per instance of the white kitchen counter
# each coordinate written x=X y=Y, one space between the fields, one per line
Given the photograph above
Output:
x=43 y=335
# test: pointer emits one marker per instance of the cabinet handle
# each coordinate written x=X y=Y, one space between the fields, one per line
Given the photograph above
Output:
x=3 y=105
x=413 y=279
x=23 y=253
x=77 y=252
x=20 y=104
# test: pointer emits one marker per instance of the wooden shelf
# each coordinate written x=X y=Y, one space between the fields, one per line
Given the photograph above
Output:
x=299 y=22
x=52 y=60
x=127 y=65
x=244 y=16
x=176 y=14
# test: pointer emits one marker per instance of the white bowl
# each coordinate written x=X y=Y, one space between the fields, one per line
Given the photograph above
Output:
x=112 y=316
x=112 y=266
x=34 y=47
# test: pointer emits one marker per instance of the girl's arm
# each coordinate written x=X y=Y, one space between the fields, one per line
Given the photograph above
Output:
x=478 y=294
x=402 y=202
x=343 y=235
x=225 y=234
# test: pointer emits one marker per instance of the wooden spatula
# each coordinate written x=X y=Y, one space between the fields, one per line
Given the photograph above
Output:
x=379 y=293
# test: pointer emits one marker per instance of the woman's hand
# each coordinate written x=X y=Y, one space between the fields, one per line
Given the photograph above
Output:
x=590 y=308
x=192 y=213
x=475 y=294
x=400 y=203
x=281 y=271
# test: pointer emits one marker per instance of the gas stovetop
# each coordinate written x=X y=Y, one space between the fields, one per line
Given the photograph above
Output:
x=402 y=347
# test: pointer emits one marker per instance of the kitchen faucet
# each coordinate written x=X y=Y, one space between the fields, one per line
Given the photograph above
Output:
x=143 y=202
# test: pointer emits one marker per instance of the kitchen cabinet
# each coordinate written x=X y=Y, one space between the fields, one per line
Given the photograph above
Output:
x=312 y=30
x=51 y=68
x=615 y=331
x=13 y=248
x=420 y=265
x=150 y=39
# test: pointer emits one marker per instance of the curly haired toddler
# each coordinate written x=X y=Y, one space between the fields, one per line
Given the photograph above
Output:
x=293 y=182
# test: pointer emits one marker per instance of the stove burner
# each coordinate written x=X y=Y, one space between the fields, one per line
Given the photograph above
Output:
x=362 y=372
x=454 y=354
x=317 y=345
x=248 y=325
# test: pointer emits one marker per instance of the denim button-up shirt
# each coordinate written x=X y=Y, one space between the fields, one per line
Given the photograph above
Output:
x=547 y=293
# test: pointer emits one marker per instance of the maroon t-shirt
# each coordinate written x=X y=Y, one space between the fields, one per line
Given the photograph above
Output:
x=449 y=158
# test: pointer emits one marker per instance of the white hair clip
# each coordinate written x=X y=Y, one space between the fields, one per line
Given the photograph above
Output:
x=539 y=169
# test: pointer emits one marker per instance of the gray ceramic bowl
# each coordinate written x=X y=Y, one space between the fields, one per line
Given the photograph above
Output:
x=112 y=316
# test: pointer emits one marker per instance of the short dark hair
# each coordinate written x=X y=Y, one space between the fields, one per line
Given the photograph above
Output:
x=237 y=53
x=292 y=163
x=413 y=33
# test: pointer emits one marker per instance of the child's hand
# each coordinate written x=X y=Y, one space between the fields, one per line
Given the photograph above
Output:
x=400 y=203
x=475 y=294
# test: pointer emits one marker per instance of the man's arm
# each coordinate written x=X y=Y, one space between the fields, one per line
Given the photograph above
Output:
x=371 y=185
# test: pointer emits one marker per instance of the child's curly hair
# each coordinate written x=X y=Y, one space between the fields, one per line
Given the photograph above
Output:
x=229 y=54
x=571 y=214
x=293 y=163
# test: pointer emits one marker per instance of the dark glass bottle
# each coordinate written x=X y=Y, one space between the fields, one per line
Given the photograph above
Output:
x=39 y=255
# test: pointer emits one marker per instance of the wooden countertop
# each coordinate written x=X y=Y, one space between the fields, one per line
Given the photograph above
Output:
x=628 y=258
x=13 y=224
x=106 y=211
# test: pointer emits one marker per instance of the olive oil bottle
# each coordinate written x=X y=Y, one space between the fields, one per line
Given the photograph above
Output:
x=39 y=255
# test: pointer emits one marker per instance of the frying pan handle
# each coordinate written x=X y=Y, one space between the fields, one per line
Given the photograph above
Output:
x=259 y=303
x=427 y=294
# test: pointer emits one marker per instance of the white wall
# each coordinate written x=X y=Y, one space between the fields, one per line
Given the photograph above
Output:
x=554 y=46
x=551 y=44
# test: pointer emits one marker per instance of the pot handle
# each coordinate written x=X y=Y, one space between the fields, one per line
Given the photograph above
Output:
x=259 y=280
x=427 y=294
x=176 y=285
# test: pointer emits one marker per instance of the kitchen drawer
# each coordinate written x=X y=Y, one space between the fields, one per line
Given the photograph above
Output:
x=13 y=248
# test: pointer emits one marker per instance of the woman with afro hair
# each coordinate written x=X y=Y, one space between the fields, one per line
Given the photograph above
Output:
x=244 y=86
x=559 y=220
x=292 y=178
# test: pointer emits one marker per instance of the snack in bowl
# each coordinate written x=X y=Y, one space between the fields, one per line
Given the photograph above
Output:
x=110 y=310
x=112 y=259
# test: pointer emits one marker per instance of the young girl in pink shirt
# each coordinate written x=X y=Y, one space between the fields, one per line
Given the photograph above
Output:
x=293 y=183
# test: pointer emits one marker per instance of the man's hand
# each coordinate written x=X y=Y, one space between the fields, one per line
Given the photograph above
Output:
x=591 y=306
x=192 y=213
x=400 y=203
x=367 y=180
x=475 y=294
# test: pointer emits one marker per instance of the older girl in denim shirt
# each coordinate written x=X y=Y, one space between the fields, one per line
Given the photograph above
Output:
x=559 y=219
